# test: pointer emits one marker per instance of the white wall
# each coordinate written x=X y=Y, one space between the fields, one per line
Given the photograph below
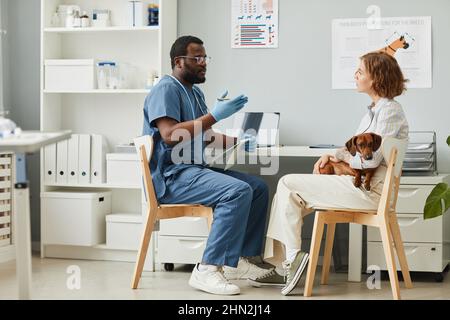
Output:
x=23 y=84
x=4 y=72
x=295 y=79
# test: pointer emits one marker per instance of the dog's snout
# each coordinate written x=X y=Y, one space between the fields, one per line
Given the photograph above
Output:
x=369 y=157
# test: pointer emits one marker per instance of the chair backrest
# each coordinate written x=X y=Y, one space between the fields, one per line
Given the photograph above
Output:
x=144 y=149
x=394 y=153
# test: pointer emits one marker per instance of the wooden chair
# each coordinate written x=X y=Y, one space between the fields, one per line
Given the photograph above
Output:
x=384 y=218
x=155 y=211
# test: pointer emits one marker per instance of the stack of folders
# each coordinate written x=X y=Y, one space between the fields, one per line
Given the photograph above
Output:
x=79 y=160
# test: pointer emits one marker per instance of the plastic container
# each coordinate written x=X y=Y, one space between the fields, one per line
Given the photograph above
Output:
x=108 y=76
x=153 y=15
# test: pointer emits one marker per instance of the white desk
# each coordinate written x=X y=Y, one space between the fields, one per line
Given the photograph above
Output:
x=27 y=142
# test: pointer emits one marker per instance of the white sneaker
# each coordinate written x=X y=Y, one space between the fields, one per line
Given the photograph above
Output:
x=212 y=281
x=245 y=270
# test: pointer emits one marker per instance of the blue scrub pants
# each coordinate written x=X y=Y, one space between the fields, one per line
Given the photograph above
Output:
x=240 y=204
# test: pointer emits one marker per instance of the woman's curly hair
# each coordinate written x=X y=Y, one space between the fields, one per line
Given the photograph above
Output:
x=387 y=77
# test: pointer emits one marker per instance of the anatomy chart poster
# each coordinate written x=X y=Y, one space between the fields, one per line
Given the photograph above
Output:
x=407 y=38
x=254 y=24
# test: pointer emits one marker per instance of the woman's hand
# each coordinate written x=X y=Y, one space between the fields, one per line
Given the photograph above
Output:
x=321 y=163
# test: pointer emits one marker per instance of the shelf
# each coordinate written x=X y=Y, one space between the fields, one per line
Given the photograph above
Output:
x=105 y=29
x=99 y=91
x=94 y=186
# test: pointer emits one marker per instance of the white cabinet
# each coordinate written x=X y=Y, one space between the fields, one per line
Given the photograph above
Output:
x=427 y=242
x=181 y=240
x=116 y=114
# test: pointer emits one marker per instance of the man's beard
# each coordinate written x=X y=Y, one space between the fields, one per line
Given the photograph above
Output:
x=191 y=77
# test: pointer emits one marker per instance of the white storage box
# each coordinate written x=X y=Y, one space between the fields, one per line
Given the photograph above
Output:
x=123 y=231
x=75 y=217
x=69 y=74
x=123 y=169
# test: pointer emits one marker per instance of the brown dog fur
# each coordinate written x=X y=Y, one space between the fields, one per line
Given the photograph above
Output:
x=365 y=144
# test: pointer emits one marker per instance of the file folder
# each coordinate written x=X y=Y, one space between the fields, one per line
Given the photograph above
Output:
x=50 y=164
x=98 y=159
x=61 y=162
x=72 y=160
x=84 y=159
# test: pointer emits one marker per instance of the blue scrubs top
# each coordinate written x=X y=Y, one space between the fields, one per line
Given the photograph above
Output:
x=169 y=98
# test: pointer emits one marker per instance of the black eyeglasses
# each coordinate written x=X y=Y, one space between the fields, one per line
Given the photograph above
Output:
x=199 y=60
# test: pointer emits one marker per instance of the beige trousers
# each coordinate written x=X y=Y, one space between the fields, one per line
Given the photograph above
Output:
x=298 y=194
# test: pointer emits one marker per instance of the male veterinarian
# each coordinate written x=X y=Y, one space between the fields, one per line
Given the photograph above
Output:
x=174 y=107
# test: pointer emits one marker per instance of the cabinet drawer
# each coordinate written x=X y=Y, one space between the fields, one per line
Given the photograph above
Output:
x=411 y=198
x=186 y=250
x=413 y=228
x=421 y=256
x=185 y=226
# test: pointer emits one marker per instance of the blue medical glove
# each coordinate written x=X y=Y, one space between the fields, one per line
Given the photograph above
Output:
x=250 y=144
x=225 y=108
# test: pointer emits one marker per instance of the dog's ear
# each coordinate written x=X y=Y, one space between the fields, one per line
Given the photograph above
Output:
x=351 y=146
x=376 y=141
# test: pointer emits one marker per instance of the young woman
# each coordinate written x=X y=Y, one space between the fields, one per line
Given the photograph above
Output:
x=380 y=77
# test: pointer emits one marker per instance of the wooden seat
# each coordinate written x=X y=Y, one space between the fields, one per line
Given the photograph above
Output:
x=384 y=218
x=156 y=211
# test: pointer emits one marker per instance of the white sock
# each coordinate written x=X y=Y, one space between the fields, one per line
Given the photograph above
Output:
x=291 y=253
x=206 y=267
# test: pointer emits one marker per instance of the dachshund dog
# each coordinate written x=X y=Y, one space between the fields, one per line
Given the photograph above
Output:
x=365 y=144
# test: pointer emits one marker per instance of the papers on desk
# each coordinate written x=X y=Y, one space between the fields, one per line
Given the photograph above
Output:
x=325 y=146
x=228 y=156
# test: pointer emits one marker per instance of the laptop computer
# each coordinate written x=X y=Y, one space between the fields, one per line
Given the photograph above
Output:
x=265 y=125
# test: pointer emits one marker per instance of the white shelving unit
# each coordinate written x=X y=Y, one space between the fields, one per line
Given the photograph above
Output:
x=115 y=114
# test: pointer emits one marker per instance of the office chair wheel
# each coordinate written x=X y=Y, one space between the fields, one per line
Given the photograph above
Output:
x=439 y=276
x=169 y=266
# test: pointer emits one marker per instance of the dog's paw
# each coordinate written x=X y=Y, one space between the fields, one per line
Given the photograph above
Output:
x=367 y=187
x=357 y=183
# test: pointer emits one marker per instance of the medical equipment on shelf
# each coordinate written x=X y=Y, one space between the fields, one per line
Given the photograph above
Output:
x=101 y=18
x=108 y=76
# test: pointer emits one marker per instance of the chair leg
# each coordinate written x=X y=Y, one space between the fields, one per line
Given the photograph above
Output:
x=145 y=240
x=390 y=258
x=328 y=252
x=399 y=248
x=314 y=253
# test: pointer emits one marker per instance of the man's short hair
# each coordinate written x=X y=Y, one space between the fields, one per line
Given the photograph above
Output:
x=179 y=47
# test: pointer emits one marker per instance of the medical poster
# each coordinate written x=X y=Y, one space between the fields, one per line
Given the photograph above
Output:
x=254 y=24
x=407 y=38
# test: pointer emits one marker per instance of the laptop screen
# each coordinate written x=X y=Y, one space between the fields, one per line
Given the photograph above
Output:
x=264 y=124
